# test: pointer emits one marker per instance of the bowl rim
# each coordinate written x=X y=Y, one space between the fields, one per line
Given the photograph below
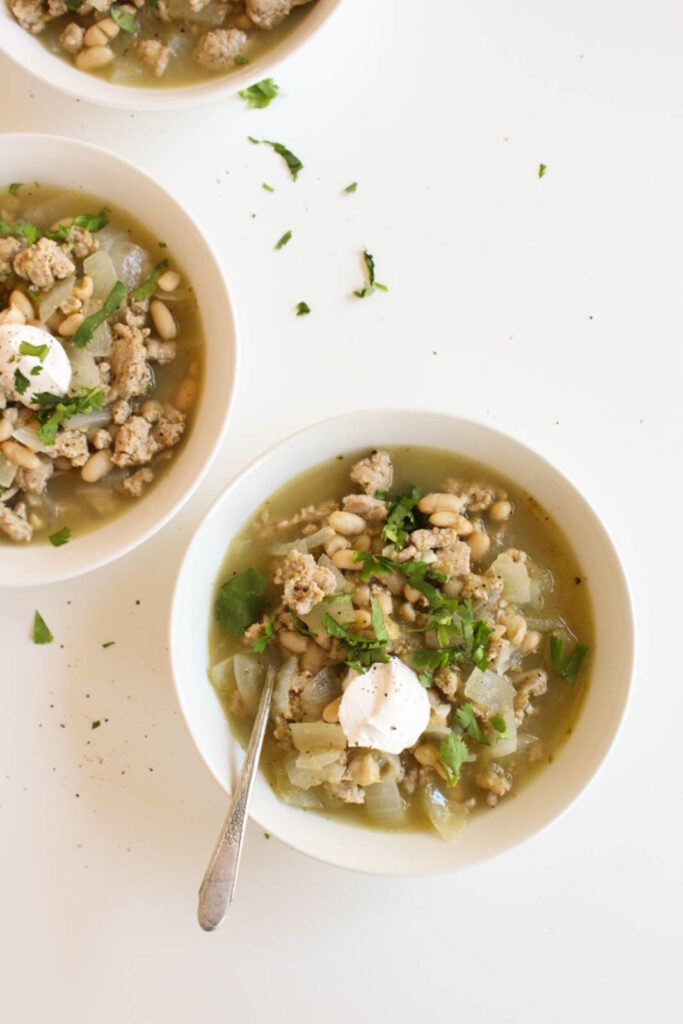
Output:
x=210 y=451
x=70 y=81
x=397 y=870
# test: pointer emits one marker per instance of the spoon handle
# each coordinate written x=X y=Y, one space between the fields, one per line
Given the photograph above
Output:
x=218 y=885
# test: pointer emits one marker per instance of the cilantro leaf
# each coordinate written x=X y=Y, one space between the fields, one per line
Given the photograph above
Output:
x=541 y=170
x=92 y=222
x=372 y=284
x=401 y=518
x=430 y=660
x=124 y=20
x=240 y=602
x=109 y=643
x=453 y=752
x=292 y=161
x=467 y=720
x=363 y=651
x=14 y=187
x=373 y=565
x=147 y=289
x=262 y=642
x=53 y=410
x=378 y=624
x=283 y=240
x=60 y=537
x=85 y=332
x=336 y=598
x=20 y=382
x=352 y=187
x=302 y=308
x=240 y=60
x=41 y=633
x=261 y=93
x=500 y=725
x=96 y=724
x=569 y=668
x=268 y=188
x=39 y=351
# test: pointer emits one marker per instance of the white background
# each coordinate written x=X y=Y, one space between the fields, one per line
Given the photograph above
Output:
x=549 y=308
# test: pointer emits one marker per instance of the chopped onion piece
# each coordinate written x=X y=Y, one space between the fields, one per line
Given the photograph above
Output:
x=212 y=14
x=314 y=736
x=83 y=367
x=516 y=583
x=322 y=689
x=87 y=420
x=490 y=691
x=446 y=815
x=305 y=778
x=54 y=298
x=131 y=263
x=28 y=436
x=340 y=611
x=294 y=796
x=303 y=543
x=101 y=269
x=502 y=747
x=319 y=759
x=7 y=471
x=249 y=672
x=384 y=803
x=222 y=675
x=283 y=682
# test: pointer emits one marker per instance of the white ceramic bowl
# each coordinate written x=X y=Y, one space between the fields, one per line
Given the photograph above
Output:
x=76 y=165
x=29 y=53
x=537 y=804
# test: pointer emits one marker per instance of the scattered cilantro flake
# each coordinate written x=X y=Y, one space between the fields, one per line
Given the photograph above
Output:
x=125 y=20
x=53 y=410
x=260 y=645
x=41 y=633
x=37 y=370
x=147 y=289
x=39 y=351
x=261 y=93
x=372 y=283
x=268 y=188
x=401 y=518
x=162 y=245
x=241 y=60
x=569 y=668
x=20 y=382
x=109 y=643
x=240 y=601
x=302 y=308
x=453 y=752
x=14 y=187
x=363 y=651
x=60 y=537
x=373 y=565
x=266 y=835
x=283 y=240
x=378 y=624
x=292 y=161
x=336 y=598
x=352 y=187
x=73 y=5
x=85 y=332
x=34 y=294
x=300 y=626
x=500 y=725
x=541 y=170
x=467 y=720
x=256 y=142
x=28 y=230
x=96 y=724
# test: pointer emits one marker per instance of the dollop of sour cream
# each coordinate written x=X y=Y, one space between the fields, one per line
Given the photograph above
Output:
x=34 y=355
x=385 y=708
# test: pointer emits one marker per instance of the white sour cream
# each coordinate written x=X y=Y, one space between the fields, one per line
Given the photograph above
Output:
x=385 y=708
x=48 y=372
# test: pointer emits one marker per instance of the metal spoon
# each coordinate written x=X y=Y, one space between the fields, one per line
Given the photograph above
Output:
x=218 y=885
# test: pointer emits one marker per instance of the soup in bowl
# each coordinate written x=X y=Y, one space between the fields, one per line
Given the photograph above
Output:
x=105 y=423
x=427 y=602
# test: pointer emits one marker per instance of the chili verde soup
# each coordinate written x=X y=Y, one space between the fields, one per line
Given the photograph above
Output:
x=101 y=355
x=431 y=632
x=167 y=43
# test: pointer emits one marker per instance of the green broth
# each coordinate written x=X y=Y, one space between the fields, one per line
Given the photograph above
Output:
x=531 y=529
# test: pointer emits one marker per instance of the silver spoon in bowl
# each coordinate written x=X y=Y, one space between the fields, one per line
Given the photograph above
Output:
x=218 y=885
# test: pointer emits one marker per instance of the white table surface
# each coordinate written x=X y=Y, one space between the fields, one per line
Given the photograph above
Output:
x=549 y=308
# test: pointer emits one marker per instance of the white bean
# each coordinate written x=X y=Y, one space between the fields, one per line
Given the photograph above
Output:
x=169 y=281
x=163 y=319
x=97 y=466
x=22 y=303
x=93 y=58
x=347 y=523
x=186 y=394
x=20 y=455
x=70 y=324
x=12 y=315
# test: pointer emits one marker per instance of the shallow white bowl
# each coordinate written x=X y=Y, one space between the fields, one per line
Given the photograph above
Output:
x=29 y=53
x=515 y=819
x=76 y=165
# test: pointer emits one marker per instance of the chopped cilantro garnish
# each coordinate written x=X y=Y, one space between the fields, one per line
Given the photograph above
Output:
x=53 y=410
x=430 y=660
x=96 y=724
x=109 y=643
x=39 y=351
x=336 y=598
x=125 y=20
x=262 y=642
x=268 y=188
x=292 y=161
x=352 y=187
x=569 y=668
x=37 y=370
x=260 y=94
x=467 y=720
x=20 y=382
x=283 y=240
x=147 y=289
x=14 y=187
x=34 y=294
x=240 y=601
x=453 y=752
x=363 y=651
x=372 y=284
x=85 y=332
x=373 y=565
x=60 y=537
x=541 y=170
x=302 y=308
x=162 y=245
x=401 y=518
x=73 y=5
x=241 y=60
x=41 y=633
x=500 y=725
